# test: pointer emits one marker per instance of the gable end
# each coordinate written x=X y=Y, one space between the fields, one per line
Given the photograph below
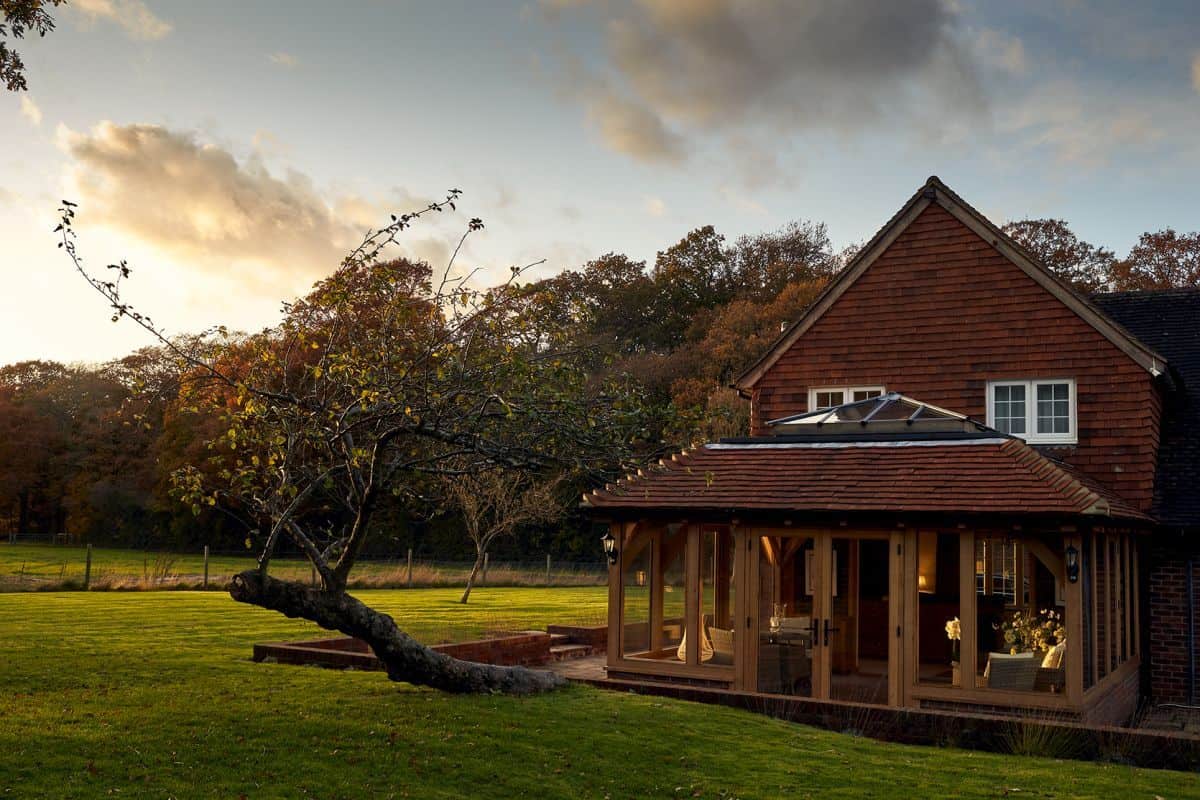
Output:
x=934 y=191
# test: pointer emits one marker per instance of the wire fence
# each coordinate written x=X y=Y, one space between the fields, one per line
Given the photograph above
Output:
x=46 y=562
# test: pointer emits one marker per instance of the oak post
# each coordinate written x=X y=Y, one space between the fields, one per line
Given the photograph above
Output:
x=968 y=649
x=1073 y=595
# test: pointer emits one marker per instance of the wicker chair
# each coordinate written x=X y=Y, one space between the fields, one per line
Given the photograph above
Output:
x=722 y=646
x=1017 y=672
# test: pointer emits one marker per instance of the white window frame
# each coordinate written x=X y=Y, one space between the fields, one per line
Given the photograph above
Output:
x=847 y=394
x=1031 y=386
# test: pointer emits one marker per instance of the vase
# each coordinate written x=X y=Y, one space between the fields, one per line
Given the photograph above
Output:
x=955 y=676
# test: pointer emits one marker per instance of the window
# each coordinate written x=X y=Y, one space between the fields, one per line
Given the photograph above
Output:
x=1038 y=411
x=830 y=396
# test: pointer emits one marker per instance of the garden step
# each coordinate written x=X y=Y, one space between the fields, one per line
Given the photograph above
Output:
x=562 y=652
x=559 y=638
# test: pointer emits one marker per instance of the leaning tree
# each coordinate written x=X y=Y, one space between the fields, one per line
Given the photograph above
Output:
x=385 y=380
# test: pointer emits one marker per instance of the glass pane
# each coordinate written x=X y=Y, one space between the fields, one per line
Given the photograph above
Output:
x=865 y=394
x=859 y=624
x=787 y=581
x=1054 y=408
x=635 y=591
x=674 y=586
x=1009 y=409
x=716 y=597
x=1021 y=634
x=937 y=598
x=830 y=399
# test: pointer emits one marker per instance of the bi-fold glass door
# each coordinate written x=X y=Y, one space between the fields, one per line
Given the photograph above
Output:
x=826 y=615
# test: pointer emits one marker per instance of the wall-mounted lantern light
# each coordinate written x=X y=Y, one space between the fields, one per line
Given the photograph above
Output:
x=1072 y=564
x=610 y=546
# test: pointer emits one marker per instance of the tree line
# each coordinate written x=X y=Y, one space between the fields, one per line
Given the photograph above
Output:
x=89 y=450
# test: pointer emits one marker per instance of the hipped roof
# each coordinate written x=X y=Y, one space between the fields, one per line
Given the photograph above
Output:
x=986 y=474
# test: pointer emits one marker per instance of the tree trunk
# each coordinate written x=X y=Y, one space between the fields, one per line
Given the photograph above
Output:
x=404 y=658
x=478 y=565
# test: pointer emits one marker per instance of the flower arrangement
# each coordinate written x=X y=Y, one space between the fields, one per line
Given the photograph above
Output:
x=954 y=634
x=1033 y=632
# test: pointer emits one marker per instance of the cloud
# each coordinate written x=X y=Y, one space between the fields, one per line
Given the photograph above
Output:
x=679 y=69
x=654 y=206
x=138 y=21
x=267 y=144
x=1080 y=129
x=286 y=60
x=629 y=127
x=198 y=202
x=1001 y=51
x=1196 y=71
x=30 y=110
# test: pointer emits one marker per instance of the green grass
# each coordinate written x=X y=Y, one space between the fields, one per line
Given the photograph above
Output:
x=152 y=694
x=54 y=563
x=25 y=567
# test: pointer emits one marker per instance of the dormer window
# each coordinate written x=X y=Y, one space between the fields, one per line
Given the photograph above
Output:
x=1038 y=411
x=830 y=396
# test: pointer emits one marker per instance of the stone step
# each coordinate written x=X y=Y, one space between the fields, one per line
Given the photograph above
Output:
x=559 y=638
x=562 y=652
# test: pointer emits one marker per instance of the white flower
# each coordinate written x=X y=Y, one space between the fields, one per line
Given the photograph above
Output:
x=954 y=630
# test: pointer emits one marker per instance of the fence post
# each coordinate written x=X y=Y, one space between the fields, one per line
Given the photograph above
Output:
x=547 y=569
x=205 y=566
x=87 y=569
x=485 y=566
x=410 y=567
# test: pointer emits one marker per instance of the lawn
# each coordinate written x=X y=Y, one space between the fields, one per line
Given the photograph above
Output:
x=152 y=694
x=26 y=567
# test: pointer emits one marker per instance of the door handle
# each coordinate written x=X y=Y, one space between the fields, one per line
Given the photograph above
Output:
x=827 y=631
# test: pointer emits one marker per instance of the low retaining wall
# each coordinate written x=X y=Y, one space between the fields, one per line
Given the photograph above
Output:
x=344 y=652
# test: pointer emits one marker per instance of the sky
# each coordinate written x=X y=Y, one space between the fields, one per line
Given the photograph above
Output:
x=232 y=151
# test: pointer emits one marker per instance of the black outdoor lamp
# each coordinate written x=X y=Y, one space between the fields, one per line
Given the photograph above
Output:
x=1072 y=564
x=610 y=546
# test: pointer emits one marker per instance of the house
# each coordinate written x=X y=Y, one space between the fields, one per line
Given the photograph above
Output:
x=965 y=487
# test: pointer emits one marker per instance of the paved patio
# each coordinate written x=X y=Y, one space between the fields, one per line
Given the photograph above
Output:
x=588 y=668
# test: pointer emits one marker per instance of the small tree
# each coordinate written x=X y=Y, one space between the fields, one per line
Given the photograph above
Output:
x=379 y=382
x=496 y=503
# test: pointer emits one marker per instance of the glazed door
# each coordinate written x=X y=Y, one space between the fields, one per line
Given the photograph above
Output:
x=784 y=646
x=859 y=630
x=829 y=612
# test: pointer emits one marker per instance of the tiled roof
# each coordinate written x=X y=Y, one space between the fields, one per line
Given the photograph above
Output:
x=990 y=474
x=1169 y=322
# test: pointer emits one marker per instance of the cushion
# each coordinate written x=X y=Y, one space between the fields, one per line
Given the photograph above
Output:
x=706 y=648
x=1054 y=656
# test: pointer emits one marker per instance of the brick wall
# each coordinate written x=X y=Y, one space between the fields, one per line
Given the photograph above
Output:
x=1118 y=703
x=518 y=649
x=1168 y=617
x=941 y=313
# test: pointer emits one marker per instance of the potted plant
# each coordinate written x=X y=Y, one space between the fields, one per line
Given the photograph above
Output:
x=1034 y=632
x=954 y=634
